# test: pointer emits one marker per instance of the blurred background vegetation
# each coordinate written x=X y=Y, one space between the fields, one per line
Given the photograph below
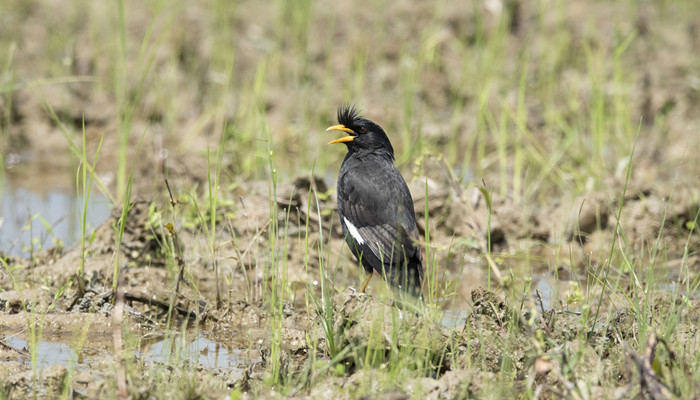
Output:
x=537 y=98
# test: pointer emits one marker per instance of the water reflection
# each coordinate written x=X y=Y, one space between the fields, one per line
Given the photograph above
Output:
x=205 y=352
x=37 y=213
x=49 y=353
x=176 y=349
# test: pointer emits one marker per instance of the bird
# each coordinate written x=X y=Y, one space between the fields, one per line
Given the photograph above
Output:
x=375 y=206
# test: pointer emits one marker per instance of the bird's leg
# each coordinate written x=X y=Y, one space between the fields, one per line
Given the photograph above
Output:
x=368 y=276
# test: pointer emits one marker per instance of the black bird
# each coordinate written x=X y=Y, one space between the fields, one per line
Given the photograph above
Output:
x=375 y=205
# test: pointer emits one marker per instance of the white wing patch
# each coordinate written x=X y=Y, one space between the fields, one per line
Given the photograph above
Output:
x=354 y=232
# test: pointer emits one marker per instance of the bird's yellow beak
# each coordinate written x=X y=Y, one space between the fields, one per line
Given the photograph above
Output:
x=341 y=127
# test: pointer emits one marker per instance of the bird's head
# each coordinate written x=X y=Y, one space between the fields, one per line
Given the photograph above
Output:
x=364 y=135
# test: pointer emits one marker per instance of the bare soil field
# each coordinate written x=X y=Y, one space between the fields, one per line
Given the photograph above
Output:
x=552 y=149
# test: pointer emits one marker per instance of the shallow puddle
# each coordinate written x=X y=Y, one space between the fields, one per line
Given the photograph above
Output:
x=205 y=352
x=199 y=350
x=36 y=213
x=50 y=353
x=454 y=318
x=546 y=292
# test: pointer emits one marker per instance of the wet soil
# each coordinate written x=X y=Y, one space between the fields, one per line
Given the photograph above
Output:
x=505 y=268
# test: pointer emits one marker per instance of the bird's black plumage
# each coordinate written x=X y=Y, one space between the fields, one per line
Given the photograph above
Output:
x=375 y=205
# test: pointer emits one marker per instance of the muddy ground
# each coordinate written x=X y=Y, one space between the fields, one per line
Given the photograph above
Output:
x=517 y=283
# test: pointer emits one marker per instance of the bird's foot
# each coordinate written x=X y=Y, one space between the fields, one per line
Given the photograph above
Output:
x=354 y=292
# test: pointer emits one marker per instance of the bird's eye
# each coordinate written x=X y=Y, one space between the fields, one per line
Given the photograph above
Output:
x=363 y=130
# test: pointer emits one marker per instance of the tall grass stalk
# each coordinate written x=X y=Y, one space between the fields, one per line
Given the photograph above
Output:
x=213 y=195
x=431 y=269
x=616 y=233
x=84 y=185
x=121 y=92
x=275 y=271
x=6 y=89
x=272 y=274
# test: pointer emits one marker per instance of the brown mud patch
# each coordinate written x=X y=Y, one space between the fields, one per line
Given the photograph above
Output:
x=168 y=287
x=270 y=291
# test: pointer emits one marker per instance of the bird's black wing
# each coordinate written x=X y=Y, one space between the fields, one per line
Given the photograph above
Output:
x=378 y=219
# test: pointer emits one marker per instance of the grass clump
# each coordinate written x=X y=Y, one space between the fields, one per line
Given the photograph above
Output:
x=538 y=113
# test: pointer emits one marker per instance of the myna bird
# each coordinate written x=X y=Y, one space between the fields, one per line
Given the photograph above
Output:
x=375 y=205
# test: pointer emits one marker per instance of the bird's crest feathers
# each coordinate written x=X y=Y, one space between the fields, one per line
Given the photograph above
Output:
x=348 y=115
